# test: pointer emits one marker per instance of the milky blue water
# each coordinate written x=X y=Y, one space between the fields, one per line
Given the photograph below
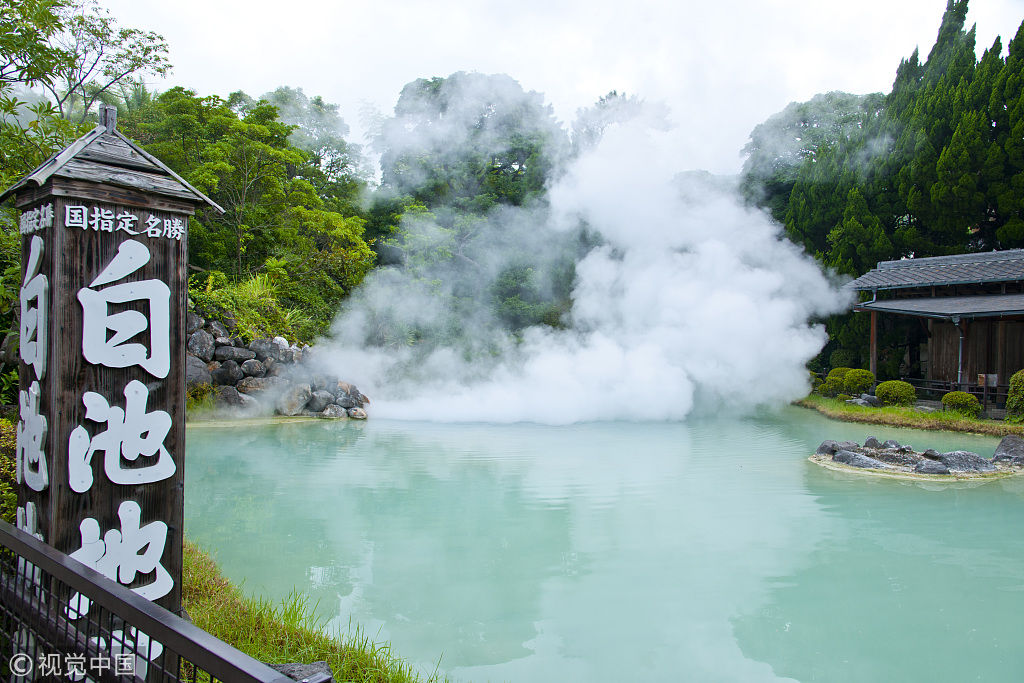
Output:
x=704 y=551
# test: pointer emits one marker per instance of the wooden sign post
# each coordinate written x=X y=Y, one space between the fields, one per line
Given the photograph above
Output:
x=101 y=435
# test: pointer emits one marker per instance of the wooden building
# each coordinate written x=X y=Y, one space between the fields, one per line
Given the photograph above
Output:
x=971 y=307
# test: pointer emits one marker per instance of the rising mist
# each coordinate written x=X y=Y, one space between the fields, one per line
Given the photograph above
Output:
x=682 y=301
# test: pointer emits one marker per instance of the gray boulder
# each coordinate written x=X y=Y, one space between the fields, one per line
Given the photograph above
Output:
x=871 y=400
x=872 y=442
x=334 y=411
x=217 y=329
x=858 y=460
x=827 y=447
x=229 y=396
x=357 y=413
x=253 y=368
x=228 y=373
x=265 y=348
x=891 y=443
x=897 y=456
x=317 y=671
x=292 y=401
x=858 y=402
x=196 y=372
x=320 y=400
x=259 y=385
x=1010 y=450
x=193 y=322
x=965 y=461
x=239 y=342
x=325 y=383
x=224 y=353
x=200 y=344
x=931 y=454
x=931 y=467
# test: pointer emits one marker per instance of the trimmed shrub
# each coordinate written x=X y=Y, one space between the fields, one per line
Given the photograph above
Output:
x=896 y=393
x=1015 y=398
x=831 y=387
x=838 y=373
x=858 y=382
x=962 y=402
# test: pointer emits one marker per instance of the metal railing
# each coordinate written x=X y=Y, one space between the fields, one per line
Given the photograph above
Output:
x=120 y=637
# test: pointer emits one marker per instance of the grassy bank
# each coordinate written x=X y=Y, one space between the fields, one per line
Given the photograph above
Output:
x=907 y=417
x=289 y=632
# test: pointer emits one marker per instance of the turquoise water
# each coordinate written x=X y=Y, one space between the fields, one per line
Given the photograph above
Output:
x=703 y=551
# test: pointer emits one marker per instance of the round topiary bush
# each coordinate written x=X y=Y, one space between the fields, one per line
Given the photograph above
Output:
x=858 y=382
x=838 y=373
x=896 y=393
x=962 y=402
x=1015 y=398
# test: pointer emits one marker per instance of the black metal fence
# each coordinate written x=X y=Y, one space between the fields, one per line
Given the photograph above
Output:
x=63 y=621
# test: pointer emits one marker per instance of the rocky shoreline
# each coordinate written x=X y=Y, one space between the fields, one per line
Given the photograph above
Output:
x=265 y=376
x=895 y=459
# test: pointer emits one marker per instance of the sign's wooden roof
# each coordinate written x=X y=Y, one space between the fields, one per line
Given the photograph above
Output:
x=104 y=155
x=961 y=269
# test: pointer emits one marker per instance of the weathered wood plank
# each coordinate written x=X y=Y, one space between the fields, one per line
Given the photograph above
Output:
x=110 y=175
x=109 y=149
x=112 y=194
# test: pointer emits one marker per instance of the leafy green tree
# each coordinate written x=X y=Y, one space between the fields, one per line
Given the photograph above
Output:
x=95 y=55
x=26 y=29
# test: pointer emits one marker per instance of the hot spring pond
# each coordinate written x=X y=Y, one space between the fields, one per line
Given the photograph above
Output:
x=705 y=551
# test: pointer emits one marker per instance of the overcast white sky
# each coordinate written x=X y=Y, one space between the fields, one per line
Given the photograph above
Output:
x=722 y=66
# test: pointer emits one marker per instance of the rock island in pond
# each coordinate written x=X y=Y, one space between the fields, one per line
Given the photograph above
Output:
x=890 y=458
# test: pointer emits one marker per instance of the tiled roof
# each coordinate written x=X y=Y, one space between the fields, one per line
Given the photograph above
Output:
x=948 y=307
x=991 y=266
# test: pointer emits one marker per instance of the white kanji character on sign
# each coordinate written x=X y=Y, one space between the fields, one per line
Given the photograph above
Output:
x=130 y=433
x=30 y=459
x=98 y=322
x=34 y=320
x=120 y=555
x=102 y=219
x=76 y=217
x=46 y=216
x=174 y=228
x=153 y=226
x=126 y=221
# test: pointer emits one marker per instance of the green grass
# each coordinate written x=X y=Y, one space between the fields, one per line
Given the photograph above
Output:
x=908 y=417
x=277 y=634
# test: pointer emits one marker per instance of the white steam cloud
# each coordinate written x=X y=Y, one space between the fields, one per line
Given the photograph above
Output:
x=688 y=303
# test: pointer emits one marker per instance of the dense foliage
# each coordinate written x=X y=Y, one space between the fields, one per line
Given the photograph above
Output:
x=858 y=382
x=896 y=393
x=1015 y=398
x=934 y=167
x=962 y=402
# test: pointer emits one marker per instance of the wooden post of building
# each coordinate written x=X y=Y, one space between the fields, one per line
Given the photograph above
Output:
x=873 y=347
x=101 y=435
